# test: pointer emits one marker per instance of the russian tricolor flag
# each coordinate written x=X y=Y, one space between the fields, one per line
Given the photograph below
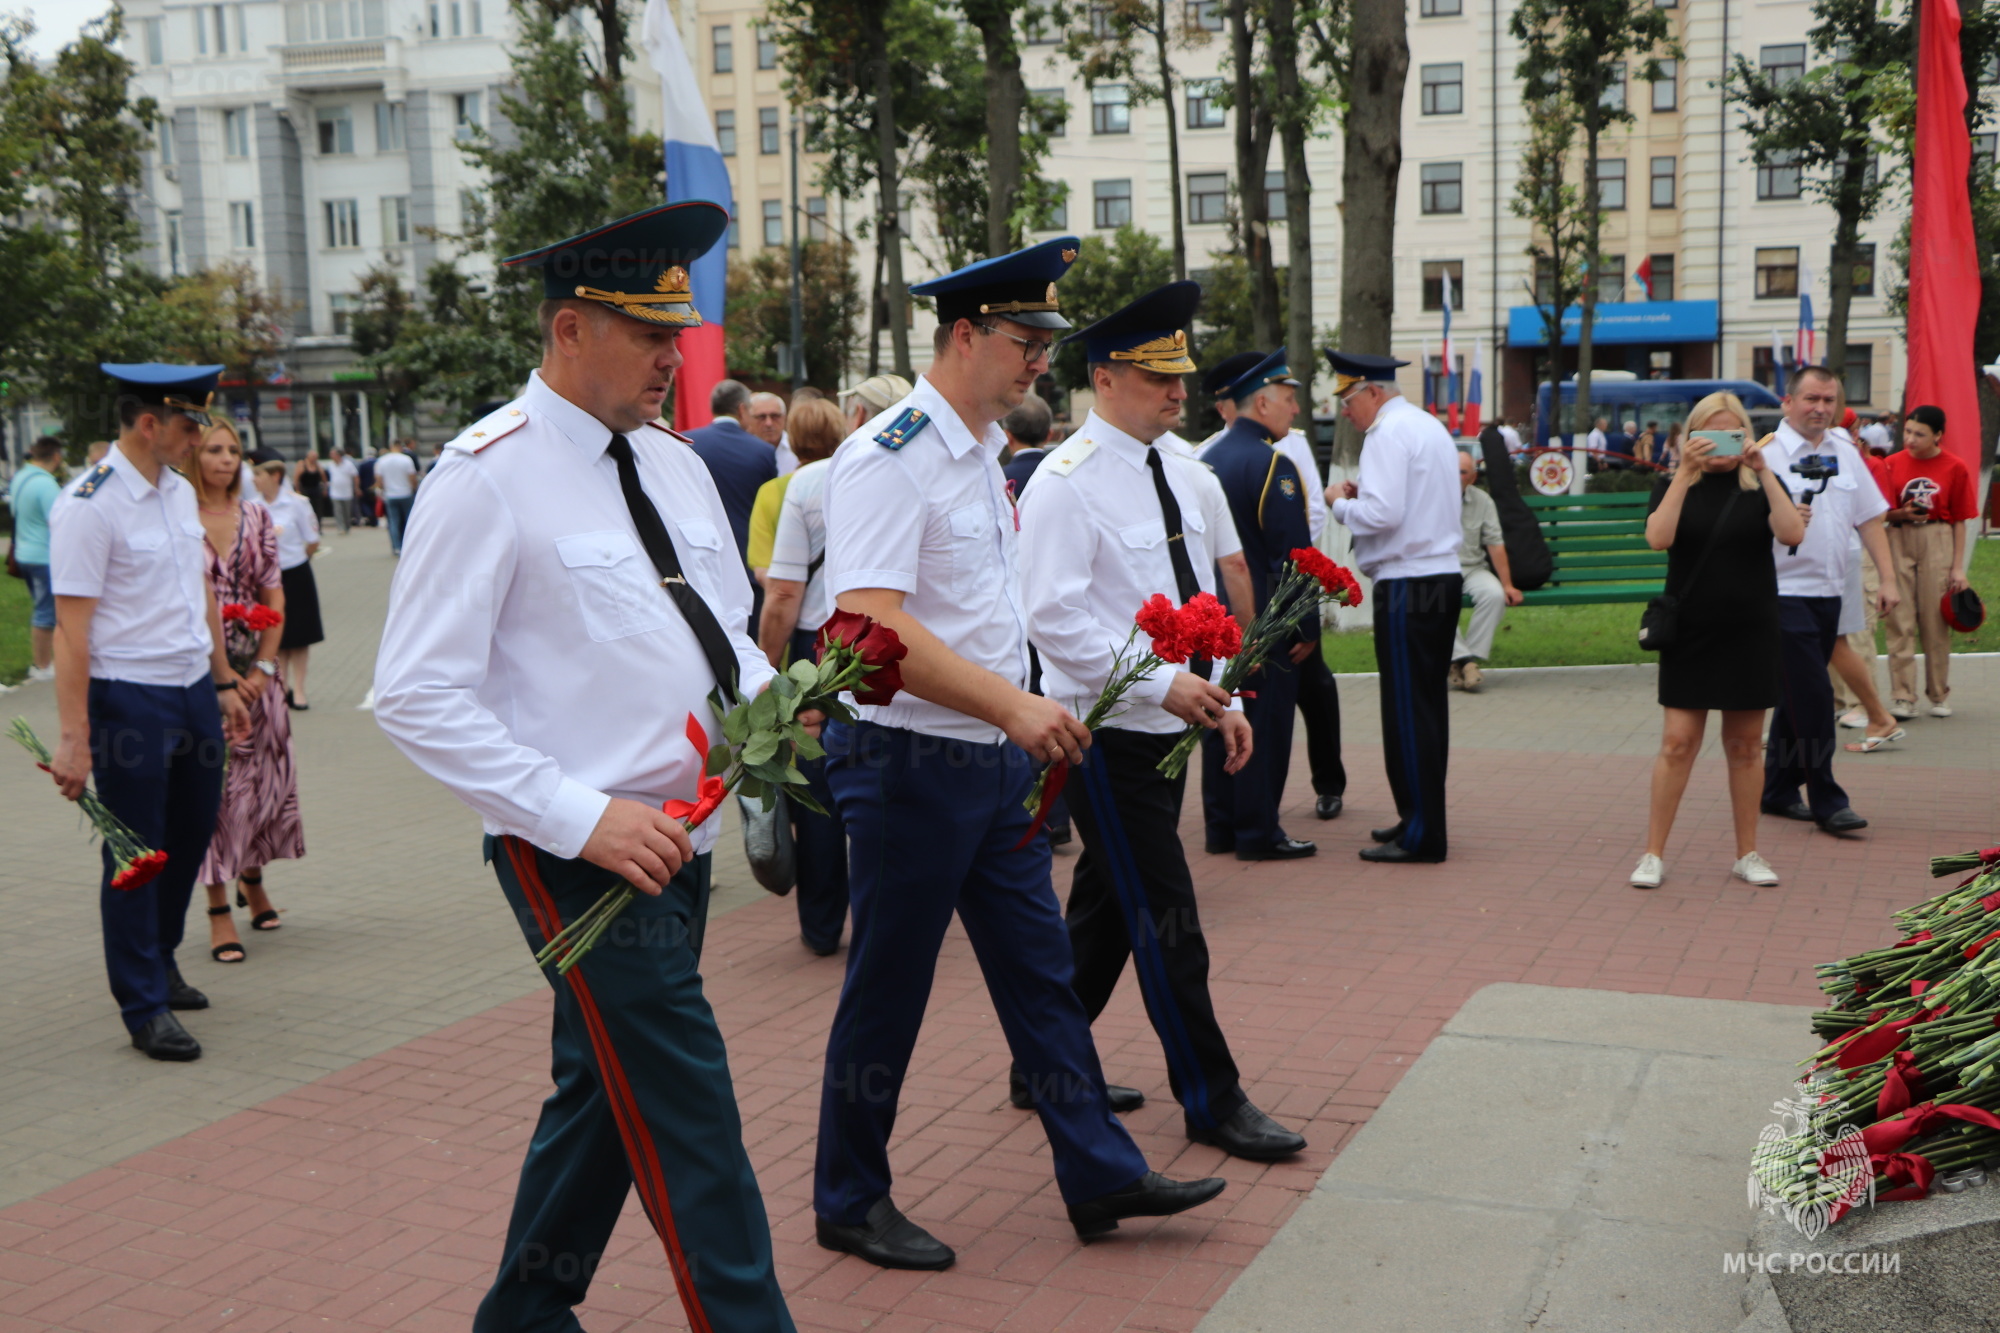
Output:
x=694 y=171
x=1472 y=389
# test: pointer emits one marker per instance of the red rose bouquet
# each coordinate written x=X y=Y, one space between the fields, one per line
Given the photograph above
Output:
x=1308 y=579
x=241 y=624
x=136 y=862
x=761 y=740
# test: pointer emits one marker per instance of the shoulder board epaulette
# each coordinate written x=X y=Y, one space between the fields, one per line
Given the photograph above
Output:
x=490 y=428
x=88 y=486
x=669 y=430
x=1068 y=456
x=903 y=429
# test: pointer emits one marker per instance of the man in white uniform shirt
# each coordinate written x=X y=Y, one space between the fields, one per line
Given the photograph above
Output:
x=570 y=598
x=1404 y=513
x=1110 y=520
x=1811 y=581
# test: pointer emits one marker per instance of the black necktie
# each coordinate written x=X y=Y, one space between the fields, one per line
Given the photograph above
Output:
x=1170 y=510
x=660 y=549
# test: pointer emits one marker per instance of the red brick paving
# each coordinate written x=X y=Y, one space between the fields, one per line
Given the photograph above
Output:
x=375 y=1198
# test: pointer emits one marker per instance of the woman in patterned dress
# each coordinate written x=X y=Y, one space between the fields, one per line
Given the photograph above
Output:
x=259 y=822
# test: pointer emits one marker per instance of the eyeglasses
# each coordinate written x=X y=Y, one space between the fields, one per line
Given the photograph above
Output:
x=1032 y=349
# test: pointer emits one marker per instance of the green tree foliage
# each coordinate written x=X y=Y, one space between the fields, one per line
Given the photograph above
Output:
x=1104 y=278
x=1555 y=211
x=462 y=344
x=760 y=312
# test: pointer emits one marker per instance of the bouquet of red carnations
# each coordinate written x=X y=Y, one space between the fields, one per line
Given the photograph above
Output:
x=255 y=617
x=1309 y=578
x=761 y=740
x=136 y=862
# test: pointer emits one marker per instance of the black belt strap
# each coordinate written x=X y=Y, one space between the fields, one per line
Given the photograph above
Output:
x=1170 y=510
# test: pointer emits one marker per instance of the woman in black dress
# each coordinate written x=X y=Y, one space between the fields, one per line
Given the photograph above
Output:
x=1725 y=650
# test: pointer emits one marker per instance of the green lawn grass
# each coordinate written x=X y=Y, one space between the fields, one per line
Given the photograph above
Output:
x=14 y=609
x=1601 y=635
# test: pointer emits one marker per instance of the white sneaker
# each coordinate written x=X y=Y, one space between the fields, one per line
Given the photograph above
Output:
x=1752 y=868
x=1940 y=710
x=41 y=673
x=1902 y=708
x=1854 y=717
x=1649 y=871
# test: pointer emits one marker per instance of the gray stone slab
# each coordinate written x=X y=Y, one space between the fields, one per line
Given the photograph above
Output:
x=1645 y=1022
x=1684 y=1149
x=1616 y=1276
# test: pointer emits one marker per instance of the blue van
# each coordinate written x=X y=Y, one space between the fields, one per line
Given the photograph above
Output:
x=1623 y=398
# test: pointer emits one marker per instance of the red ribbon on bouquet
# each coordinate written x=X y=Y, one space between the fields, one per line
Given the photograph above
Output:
x=709 y=791
x=1052 y=786
x=1865 y=1048
x=1890 y=1135
x=1902 y=1084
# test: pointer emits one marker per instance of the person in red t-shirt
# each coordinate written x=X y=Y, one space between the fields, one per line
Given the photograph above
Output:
x=1931 y=497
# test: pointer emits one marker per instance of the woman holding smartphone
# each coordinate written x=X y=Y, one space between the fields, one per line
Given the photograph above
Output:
x=1716 y=518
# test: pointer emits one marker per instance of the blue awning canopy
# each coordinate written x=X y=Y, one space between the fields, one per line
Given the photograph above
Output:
x=1620 y=322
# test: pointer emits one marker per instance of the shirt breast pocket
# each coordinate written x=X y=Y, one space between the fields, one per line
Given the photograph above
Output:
x=1146 y=536
x=146 y=540
x=704 y=546
x=975 y=557
x=616 y=591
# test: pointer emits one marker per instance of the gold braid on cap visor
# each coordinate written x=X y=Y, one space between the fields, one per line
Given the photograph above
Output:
x=1166 y=355
x=1342 y=383
x=200 y=412
x=670 y=302
x=1047 y=303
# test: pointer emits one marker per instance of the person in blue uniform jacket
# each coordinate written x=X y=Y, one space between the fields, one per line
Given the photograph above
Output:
x=1268 y=502
x=143 y=685
x=931 y=785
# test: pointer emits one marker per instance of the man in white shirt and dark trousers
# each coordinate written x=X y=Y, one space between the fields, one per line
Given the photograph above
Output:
x=1404 y=513
x=570 y=598
x=343 y=482
x=1109 y=521
x=1811 y=580
x=396 y=479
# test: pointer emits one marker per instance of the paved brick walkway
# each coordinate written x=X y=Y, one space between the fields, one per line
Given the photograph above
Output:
x=344 y=1157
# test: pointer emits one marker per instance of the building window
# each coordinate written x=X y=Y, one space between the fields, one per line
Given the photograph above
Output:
x=767 y=49
x=732 y=240
x=1050 y=106
x=1611 y=277
x=471 y=210
x=396 y=219
x=1443 y=89
x=1208 y=196
x=1864 y=270
x=1545 y=281
x=1663 y=182
x=176 y=253
x=1110 y=109
x=1100 y=22
x=1613 y=96
x=1439 y=9
x=153 y=33
x=342 y=305
x=725 y=132
x=816 y=218
x=1111 y=203
x=767 y=129
x=1778 y=271
x=1666 y=4
x=1783 y=65
x=1440 y=187
x=1662 y=276
x=343 y=224
x=1435 y=272
x=1983 y=148
x=1204 y=109
x=1205 y=15
x=200 y=31
x=1274 y=195
x=391 y=127
x=164 y=143
x=1037 y=30
x=1058 y=214
x=723 y=43
x=1860 y=372
x=243 y=225
x=1611 y=183
x=236 y=132
x=1778 y=177
x=1667 y=88
x=336 y=130
x=774 y=222
x=455 y=18
x=338 y=20
x=465 y=114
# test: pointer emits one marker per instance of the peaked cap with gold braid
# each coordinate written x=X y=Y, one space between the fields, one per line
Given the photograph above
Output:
x=637 y=265
x=1150 y=333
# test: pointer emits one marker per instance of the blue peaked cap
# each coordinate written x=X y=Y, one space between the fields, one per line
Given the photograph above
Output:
x=1150 y=333
x=1020 y=286
x=1273 y=369
x=186 y=389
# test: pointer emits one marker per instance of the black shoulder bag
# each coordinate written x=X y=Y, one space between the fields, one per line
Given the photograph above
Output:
x=1660 y=622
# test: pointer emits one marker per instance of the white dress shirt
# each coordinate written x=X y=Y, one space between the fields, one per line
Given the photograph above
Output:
x=1405 y=520
x=137 y=548
x=297 y=527
x=801 y=539
x=932 y=520
x=788 y=462
x=1094 y=548
x=343 y=478
x=1851 y=498
x=531 y=661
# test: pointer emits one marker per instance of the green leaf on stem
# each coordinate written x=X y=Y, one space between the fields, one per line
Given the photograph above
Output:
x=760 y=748
x=806 y=747
x=806 y=674
x=736 y=724
x=749 y=786
x=763 y=712
x=801 y=797
x=718 y=760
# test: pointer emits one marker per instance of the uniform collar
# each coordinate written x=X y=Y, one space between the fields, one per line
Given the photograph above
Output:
x=577 y=426
x=135 y=481
x=1389 y=407
x=1245 y=424
x=957 y=437
x=1130 y=449
x=1792 y=442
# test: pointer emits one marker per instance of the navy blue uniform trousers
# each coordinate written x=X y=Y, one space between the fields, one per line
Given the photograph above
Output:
x=1133 y=897
x=1319 y=705
x=1802 y=740
x=1241 y=809
x=642 y=1097
x=1415 y=622
x=156 y=756
x=819 y=845
x=931 y=829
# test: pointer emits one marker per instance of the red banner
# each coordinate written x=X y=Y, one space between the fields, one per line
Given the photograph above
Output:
x=702 y=368
x=1944 y=270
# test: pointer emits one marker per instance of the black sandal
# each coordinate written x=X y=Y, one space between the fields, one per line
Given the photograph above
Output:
x=217 y=950
x=269 y=914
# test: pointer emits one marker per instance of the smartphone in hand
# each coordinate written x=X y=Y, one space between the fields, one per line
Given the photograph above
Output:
x=1728 y=443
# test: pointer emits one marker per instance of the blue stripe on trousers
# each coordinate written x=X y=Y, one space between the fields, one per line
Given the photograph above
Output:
x=1399 y=650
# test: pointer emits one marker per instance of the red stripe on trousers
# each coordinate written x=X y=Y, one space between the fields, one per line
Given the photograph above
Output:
x=640 y=1151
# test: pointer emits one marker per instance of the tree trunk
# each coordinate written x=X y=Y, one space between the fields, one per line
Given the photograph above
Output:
x=889 y=204
x=1173 y=139
x=1373 y=138
x=1253 y=148
x=612 y=22
x=878 y=314
x=1292 y=114
x=1593 y=222
x=1006 y=97
x=1840 y=282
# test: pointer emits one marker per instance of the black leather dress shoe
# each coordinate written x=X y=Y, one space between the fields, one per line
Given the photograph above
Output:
x=180 y=995
x=823 y=950
x=1843 y=821
x=1390 y=834
x=1059 y=837
x=1395 y=853
x=1251 y=1135
x=1284 y=849
x=1328 y=807
x=1120 y=1099
x=1798 y=810
x=165 y=1039
x=1219 y=846
x=1152 y=1195
x=888 y=1240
